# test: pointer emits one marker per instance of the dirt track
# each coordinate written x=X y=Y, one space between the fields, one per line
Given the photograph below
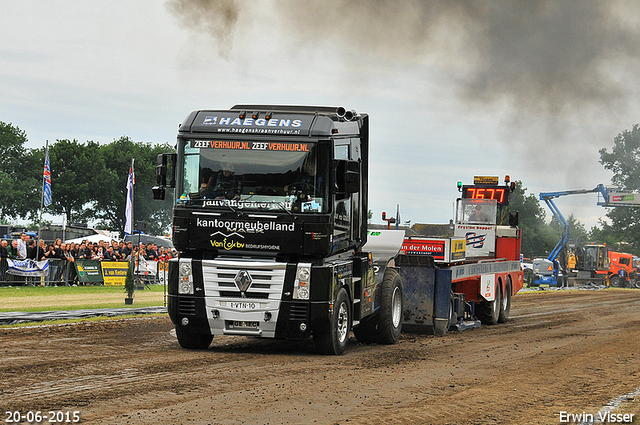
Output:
x=561 y=352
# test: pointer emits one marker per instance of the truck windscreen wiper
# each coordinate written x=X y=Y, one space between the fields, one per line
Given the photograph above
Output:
x=284 y=208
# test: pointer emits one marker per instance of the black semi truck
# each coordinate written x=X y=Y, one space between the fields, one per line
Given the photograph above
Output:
x=270 y=223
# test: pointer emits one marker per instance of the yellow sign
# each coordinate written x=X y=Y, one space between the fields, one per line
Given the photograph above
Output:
x=458 y=245
x=486 y=180
x=114 y=272
x=163 y=266
x=458 y=249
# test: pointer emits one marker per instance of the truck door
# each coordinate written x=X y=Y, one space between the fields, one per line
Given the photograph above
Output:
x=342 y=228
x=348 y=195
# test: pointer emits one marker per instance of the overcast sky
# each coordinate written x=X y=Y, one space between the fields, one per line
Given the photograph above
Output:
x=453 y=88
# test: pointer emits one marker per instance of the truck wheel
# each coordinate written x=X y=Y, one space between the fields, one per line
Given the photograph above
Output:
x=335 y=341
x=615 y=282
x=391 y=306
x=489 y=311
x=505 y=306
x=365 y=332
x=193 y=340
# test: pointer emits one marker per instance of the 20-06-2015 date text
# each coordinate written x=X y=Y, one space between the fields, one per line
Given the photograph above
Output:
x=38 y=417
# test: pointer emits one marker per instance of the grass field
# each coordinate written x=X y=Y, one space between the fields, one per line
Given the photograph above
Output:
x=41 y=298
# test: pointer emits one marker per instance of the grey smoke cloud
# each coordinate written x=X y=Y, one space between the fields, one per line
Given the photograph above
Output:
x=216 y=18
x=543 y=56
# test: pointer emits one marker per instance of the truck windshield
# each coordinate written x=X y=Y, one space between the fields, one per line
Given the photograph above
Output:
x=255 y=175
x=476 y=211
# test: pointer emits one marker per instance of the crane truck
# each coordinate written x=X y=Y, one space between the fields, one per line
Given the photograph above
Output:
x=270 y=221
x=549 y=270
x=593 y=262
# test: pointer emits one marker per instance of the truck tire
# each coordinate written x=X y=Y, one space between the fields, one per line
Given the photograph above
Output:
x=391 y=308
x=192 y=340
x=615 y=282
x=505 y=305
x=489 y=311
x=334 y=342
x=365 y=332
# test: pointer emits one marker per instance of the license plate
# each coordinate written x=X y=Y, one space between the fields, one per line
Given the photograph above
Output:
x=238 y=324
x=238 y=305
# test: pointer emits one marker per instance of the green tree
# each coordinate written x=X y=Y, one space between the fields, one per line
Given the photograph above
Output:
x=20 y=186
x=603 y=233
x=109 y=204
x=577 y=230
x=88 y=181
x=624 y=162
x=76 y=172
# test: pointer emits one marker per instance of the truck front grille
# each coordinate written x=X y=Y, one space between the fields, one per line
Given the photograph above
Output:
x=267 y=279
x=238 y=294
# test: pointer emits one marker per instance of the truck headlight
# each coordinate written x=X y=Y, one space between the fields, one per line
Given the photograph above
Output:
x=302 y=283
x=185 y=278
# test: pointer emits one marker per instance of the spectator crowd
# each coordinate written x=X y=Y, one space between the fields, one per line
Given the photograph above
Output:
x=64 y=254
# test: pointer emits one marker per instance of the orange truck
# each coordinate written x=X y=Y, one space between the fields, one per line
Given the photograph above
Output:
x=621 y=272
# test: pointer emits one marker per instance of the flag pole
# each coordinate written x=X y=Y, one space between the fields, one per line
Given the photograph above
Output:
x=46 y=197
x=129 y=215
x=129 y=210
x=46 y=152
x=46 y=177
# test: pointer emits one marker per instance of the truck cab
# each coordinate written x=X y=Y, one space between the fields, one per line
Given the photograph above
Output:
x=621 y=270
x=273 y=183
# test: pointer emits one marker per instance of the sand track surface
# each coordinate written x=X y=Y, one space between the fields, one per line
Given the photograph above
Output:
x=561 y=351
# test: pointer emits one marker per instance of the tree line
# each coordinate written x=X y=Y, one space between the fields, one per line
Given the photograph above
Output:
x=88 y=181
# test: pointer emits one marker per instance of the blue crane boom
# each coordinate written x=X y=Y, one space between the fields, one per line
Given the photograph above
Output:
x=548 y=198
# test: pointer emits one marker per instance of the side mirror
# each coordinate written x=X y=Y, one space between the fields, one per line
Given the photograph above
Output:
x=352 y=177
x=347 y=176
x=162 y=170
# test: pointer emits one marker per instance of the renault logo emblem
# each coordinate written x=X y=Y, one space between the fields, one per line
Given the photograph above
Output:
x=243 y=280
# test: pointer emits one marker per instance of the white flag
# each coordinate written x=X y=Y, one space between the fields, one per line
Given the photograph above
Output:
x=128 y=224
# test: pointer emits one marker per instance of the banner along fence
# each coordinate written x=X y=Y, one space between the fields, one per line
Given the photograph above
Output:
x=79 y=272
